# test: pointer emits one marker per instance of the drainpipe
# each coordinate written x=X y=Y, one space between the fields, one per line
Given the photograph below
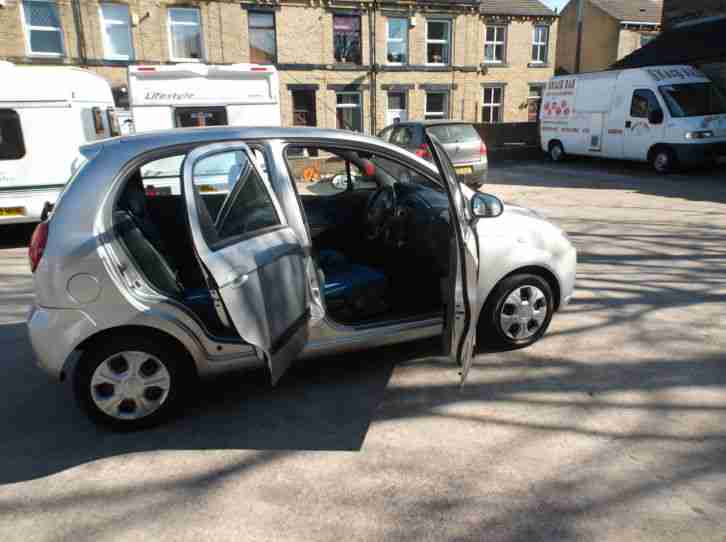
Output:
x=372 y=49
x=80 y=36
x=578 y=49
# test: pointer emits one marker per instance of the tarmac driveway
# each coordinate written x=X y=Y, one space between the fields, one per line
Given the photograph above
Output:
x=612 y=428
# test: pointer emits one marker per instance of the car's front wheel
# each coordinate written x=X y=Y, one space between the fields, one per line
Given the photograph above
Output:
x=517 y=313
x=131 y=382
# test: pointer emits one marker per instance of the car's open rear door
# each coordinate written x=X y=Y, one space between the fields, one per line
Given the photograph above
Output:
x=462 y=304
x=252 y=258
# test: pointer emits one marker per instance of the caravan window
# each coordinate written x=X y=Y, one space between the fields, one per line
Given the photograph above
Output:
x=187 y=117
x=12 y=146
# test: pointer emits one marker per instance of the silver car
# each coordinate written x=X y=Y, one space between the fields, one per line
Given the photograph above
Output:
x=462 y=143
x=188 y=253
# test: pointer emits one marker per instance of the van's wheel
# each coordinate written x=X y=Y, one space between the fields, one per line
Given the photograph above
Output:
x=663 y=160
x=517 y=313
x=132 y=382
x=556 y=151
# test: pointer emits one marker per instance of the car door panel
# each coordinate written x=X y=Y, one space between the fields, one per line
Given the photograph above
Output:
x=260 y=275
x=463 y=303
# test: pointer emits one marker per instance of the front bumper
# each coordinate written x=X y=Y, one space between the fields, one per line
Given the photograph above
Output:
x=55 y=334
x=695 y=154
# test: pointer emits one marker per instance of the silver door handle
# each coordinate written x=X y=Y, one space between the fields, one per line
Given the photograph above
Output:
x=239 y=281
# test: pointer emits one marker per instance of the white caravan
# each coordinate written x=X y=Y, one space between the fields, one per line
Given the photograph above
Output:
x=185 y=95
x=46 y=113
x=669 y=116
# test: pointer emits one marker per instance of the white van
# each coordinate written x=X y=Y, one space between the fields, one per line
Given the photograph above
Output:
x=46 y=113
x=669 y=116
x=185 y=95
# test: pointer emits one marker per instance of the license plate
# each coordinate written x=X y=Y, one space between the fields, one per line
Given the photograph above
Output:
x=464 y=170
x=207 y=188
x=12 y=211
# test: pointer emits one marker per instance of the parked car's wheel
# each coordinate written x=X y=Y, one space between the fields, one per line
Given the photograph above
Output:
x=556 y=151
x=517 y=313
x=663 y=160
x=132 y=382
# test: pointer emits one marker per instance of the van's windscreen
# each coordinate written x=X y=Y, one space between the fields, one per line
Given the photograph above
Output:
x=12 y=146
x=694 y=99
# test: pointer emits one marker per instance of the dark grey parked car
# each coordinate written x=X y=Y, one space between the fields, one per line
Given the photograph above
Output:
x=462 y=143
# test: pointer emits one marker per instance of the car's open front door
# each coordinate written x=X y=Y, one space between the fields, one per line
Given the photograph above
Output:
x=252 y=258
x=462 y=304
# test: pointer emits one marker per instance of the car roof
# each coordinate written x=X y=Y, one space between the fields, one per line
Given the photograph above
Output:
x=427 y=123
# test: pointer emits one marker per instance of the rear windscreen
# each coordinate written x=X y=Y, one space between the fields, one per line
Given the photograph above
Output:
x=12 y=146
x=454 y=133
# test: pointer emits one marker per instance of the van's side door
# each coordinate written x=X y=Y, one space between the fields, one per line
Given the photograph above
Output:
x=463 y=303
x=253 y=259
x=639 y=133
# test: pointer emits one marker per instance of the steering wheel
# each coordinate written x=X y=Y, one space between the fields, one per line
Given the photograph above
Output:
x=379 y=210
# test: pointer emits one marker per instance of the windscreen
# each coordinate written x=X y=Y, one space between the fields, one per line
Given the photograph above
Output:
x=12 y=146
x=454 y=133
x=694 y=99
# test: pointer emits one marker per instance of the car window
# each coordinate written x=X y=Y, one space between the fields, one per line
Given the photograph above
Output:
x=386 y=134
x=322 y=172
x=643 y=102
x=248 y=206
x=454 y=133
x=403 y=136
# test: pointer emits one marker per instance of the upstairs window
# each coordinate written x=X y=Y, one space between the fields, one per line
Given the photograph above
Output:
x=397 y=43
x=438 y=42
x=43 y=32
x=540 y=43
x=346 y=38
x=495 y=44
x=116 y=31
x=185 y=34
x=263 y=45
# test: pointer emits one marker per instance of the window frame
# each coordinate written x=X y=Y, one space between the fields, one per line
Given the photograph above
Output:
x=492 y=105
x=447 y=41
x=541 y=45
x=447 y=105
x=359 y=107
x=494 y=43
x=28 y=28
x=404 y=40
x=360 y=38
x=110 y=22
x=170 y=32
x=273 y=29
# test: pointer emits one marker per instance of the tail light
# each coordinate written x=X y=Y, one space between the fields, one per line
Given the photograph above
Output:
x=482 y=149
x=37 y=245
x=423 y=151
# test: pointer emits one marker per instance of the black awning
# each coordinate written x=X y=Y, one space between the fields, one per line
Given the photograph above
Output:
x=699 y=43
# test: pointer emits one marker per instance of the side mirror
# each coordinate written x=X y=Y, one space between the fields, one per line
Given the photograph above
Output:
x=486 y=206
x=655 y=116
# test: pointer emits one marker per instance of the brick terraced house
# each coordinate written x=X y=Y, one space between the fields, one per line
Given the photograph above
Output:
x=344 y=64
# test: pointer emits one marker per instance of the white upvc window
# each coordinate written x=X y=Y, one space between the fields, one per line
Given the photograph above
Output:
x=437 y=105
x=185 y=35
x=397 y=107
x=116 y=31
x=397 y=41
x=491 y=110
x=438 y=42
x=349 y=115
x=495 y=44
x=43 y=32
x=540 y=41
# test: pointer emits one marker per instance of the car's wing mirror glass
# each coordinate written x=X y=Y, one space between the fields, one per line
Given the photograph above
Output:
x=486 y=206
x=655 y=116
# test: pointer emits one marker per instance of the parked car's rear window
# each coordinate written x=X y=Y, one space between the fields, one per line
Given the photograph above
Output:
x=454 y=133
x=12 y=146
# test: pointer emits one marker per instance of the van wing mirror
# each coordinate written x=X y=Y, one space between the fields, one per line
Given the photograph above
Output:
x=655 y=116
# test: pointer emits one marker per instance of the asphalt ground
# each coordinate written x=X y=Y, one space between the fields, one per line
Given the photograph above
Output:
x=610 y=428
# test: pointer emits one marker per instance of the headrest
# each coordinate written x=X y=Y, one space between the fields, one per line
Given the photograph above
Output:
x=134 y=197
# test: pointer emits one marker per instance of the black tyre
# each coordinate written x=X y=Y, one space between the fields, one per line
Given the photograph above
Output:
x=664 y=161
x=556 y=151
x=130 y=382
x=517 y=313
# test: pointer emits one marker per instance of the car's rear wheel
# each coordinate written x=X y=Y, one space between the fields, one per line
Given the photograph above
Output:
x=556 y=151
x=132 y=382
x=517 y=313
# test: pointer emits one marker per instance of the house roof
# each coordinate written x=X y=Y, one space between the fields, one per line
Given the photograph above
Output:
x=641 y=11
x=533 y=8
